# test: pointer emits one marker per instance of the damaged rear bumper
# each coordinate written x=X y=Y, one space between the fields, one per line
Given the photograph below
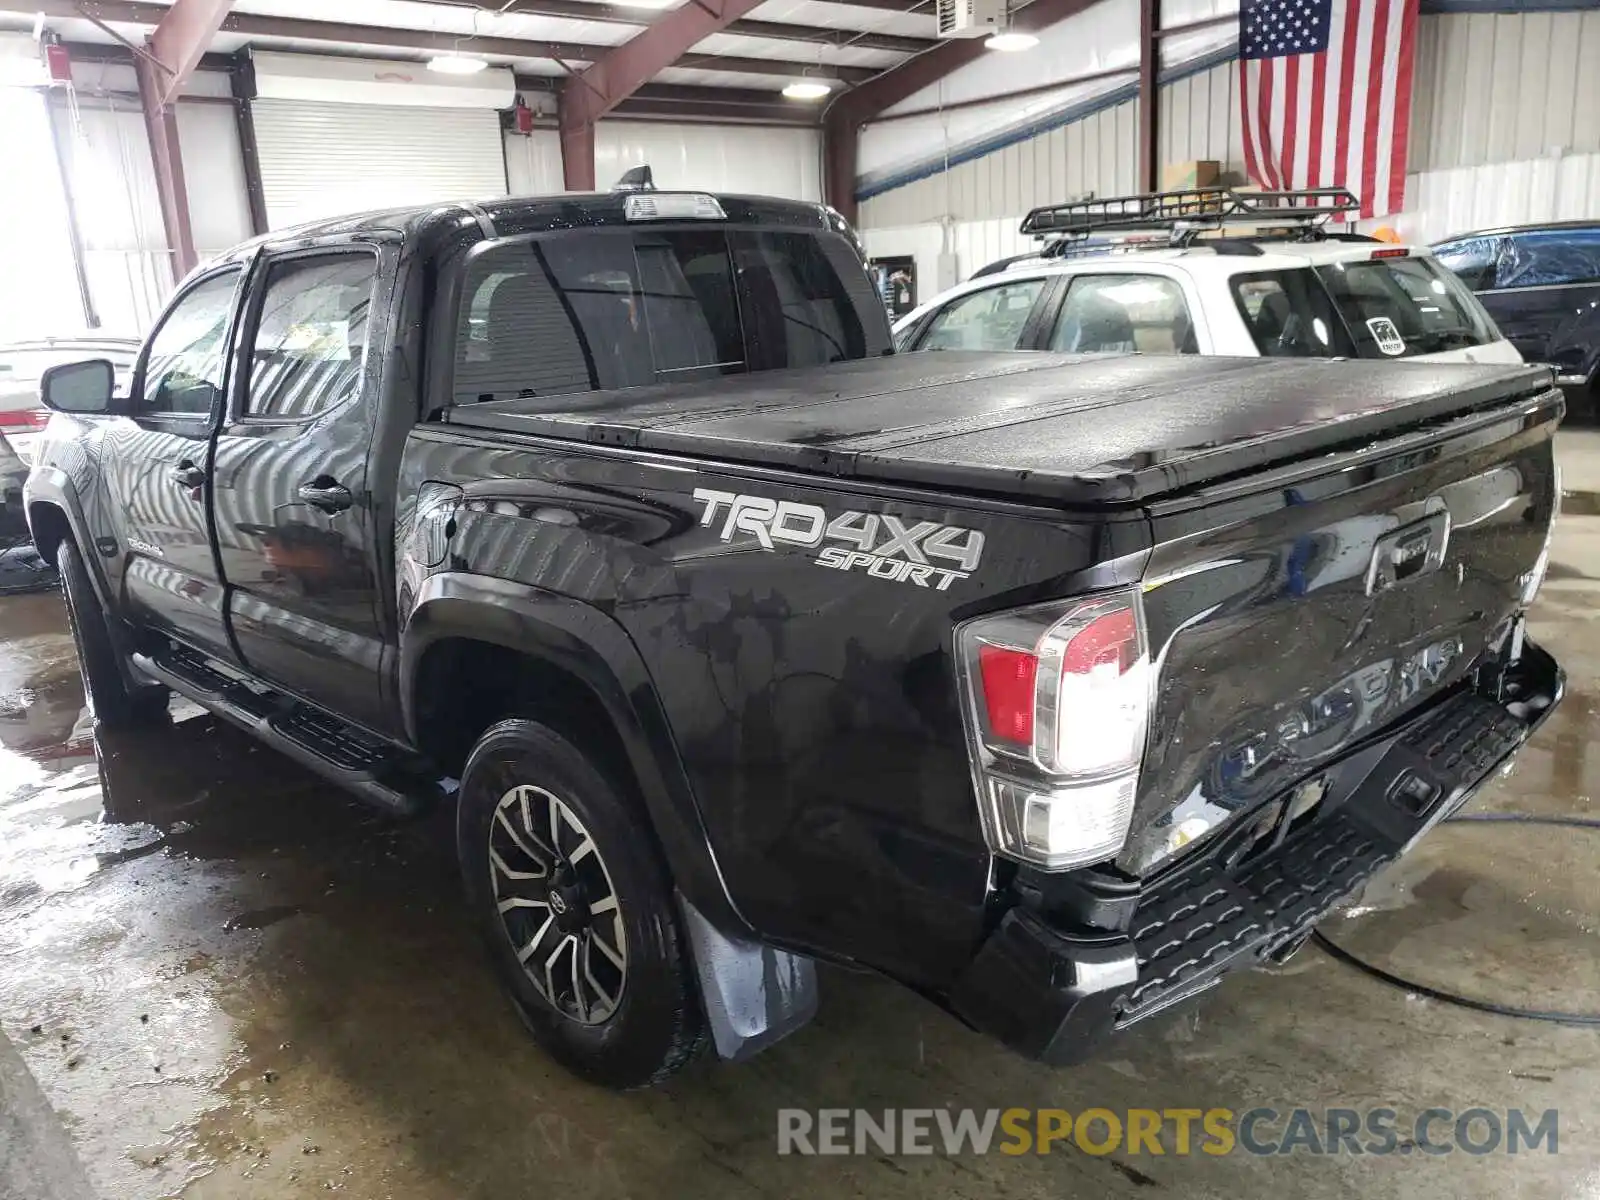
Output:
x=1056 y=993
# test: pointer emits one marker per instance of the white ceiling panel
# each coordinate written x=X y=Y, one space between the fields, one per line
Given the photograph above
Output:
x=696 y=77
x=743 y=46
x=453 y=19
x=463 y=21
x=918 y=23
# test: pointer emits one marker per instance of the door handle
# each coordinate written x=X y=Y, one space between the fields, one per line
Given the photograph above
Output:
x=325 y=495
x=187 y=475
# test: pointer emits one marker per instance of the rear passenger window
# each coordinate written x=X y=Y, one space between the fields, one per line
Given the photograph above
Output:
x=1145 y=314
x=311 y=337
x=1551 y=258
x=613 y=309
x=991 y=319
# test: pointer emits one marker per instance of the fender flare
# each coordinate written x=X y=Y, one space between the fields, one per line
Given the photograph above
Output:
x=52 y=486
x=591 y=646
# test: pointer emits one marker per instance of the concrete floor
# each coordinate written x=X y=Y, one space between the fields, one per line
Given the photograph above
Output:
x=230 y=981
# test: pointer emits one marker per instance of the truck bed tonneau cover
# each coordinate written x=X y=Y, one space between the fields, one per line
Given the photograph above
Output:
x=1077 y=429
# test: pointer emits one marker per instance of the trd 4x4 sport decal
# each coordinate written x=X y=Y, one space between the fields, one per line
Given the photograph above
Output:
x=883 y=545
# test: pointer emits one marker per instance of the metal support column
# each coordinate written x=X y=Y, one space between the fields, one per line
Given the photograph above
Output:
x=619 y=72
x=1149 y=95
x=161 y=127
x=242 y=83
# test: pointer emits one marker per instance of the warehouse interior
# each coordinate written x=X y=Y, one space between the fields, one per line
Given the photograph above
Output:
x=221 y=978
x=944 y=147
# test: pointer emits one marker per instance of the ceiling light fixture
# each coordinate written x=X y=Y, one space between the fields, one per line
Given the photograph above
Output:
x=807 y=89
x=641 y=3
x=1011 y=42
x=456 y=64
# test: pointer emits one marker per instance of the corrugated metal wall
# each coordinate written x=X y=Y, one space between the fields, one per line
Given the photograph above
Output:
x=1490 y=88
x=1504 y=88
x=713 y=158
x=1461 y=199
x=1092 y=155
x=972 y=211
x=533 y=163
x=1200 y=119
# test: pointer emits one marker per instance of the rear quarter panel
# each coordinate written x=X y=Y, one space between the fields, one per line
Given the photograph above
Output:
x=814 y=708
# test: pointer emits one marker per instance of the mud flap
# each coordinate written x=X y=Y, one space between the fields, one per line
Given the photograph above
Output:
x=754 y=995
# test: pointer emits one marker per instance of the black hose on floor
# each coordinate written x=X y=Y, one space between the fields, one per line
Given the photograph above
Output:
x=1504 y=1010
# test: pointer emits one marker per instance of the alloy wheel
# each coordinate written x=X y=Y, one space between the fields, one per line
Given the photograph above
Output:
x=557 y=904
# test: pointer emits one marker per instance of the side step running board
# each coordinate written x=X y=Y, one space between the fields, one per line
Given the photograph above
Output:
x=374 y=770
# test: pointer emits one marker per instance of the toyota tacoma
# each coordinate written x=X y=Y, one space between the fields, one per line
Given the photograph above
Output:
x=1054 y=687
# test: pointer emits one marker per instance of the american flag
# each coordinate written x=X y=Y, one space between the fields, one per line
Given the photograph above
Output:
x=1325 y=95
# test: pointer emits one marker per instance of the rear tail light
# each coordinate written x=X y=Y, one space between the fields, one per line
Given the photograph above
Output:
x=1394 y=252
x=24 y=419
x=1056 y=699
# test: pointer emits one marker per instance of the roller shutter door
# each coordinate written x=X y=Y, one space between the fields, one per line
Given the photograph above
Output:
x=321 y=159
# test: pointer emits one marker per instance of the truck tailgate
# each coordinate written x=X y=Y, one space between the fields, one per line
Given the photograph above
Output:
x=1293 y=614
x=1073 y=429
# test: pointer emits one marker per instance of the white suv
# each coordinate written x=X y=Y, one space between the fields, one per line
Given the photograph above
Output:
x=1196 y=289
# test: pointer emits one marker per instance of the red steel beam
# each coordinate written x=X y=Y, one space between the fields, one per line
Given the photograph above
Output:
x=177 y=44
x=161 y=127
x=785 y=31
x=853 y=109
x=252 y=25
x=182 y=36
x=621 y=71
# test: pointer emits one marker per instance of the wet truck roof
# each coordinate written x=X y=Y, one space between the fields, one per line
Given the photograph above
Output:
x=1073 y=429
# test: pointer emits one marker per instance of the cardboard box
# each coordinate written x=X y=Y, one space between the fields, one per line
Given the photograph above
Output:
x=1197 y=173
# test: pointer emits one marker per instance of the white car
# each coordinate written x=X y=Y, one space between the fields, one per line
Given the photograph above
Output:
x=23 y=416
x=1298 y=293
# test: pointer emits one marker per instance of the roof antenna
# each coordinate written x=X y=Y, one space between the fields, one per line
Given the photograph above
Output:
x=635 y=179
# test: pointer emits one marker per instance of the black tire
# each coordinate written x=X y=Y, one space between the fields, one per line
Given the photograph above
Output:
x=114 y=703
x=654 y=1026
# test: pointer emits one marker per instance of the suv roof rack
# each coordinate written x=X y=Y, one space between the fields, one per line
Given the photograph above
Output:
x=1185 y=213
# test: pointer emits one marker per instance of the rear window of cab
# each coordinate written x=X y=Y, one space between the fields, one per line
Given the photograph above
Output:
x=600 y=309
x=1390 y=307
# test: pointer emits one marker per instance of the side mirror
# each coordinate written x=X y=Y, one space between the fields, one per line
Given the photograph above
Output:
x=83 y=388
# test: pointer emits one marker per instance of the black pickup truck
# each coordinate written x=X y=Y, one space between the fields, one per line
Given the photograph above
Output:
x=1055 y=688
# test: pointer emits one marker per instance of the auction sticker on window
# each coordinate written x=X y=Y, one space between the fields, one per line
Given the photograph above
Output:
x=1386 y=335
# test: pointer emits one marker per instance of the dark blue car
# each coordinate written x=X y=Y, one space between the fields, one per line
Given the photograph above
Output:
x=1541 y=284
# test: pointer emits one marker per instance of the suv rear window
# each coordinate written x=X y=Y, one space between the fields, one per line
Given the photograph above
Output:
x=1377 y=308
x=606 y=309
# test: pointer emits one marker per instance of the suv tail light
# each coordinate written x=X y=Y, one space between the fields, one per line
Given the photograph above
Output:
x=1055 y=699
x=24 y=420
